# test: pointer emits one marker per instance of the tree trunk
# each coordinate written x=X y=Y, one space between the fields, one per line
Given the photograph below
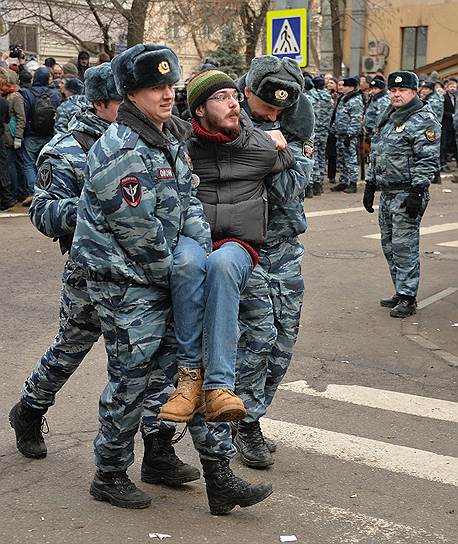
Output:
x=252 y=23
x=136 y=22
x=336 y=37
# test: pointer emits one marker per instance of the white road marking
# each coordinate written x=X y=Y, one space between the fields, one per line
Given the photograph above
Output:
x=356 y=527
x=335 y=212
x=364 y=451
x=424 y=230
x=5 y=215
x=382 y=399
x=438 y=296
x=449 y=244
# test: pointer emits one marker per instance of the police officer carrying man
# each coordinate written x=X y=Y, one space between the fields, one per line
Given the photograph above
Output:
x=271 y=303
x=403 y=160
x=347 y=128
x=53 y=211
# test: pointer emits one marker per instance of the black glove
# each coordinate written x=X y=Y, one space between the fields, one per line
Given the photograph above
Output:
x=368 y=198
x=347 y=141
x=413 y=203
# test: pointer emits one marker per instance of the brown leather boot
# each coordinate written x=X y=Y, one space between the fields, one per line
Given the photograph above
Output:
x=187 y=398
x=223 y=405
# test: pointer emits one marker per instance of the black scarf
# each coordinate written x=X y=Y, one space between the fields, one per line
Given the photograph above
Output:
x=131 y=116
x=399 y=116
x=350 y=95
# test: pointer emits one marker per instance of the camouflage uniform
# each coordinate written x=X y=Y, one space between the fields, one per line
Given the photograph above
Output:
x=436 y=103
x=347 y=128
x=404 y=156
x=323 y=114
x=64 y=113
x=377 y=105
x=53 y=212
x=271 y=302
x=136 y=202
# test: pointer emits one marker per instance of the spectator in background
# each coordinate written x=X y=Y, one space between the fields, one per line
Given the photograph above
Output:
x=25 y=79
x=40 y=104
x=57 y=71
x=82 y=64
x=103 y=57
x=70 y=70
x=50 y=62
x=14 y=132
x=74 y=102
x=7 y=199
x=448 y=140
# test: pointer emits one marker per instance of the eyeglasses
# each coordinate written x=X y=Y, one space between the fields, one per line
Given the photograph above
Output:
x=224 y=97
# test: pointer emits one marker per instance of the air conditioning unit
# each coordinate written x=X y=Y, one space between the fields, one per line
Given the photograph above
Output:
x=372 y=64
x=377 y=47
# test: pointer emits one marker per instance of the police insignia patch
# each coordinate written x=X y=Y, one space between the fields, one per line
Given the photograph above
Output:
x=195 y=181
x=430 y=134
x=398 y=79
x=281 y=94
x=44 y=176
x=164 y=67
x=131 y=190
x=307 y=149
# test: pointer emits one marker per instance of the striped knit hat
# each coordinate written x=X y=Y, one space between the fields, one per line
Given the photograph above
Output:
x=204 y=84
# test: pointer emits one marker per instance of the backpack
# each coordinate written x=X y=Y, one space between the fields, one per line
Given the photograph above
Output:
x=43 y=114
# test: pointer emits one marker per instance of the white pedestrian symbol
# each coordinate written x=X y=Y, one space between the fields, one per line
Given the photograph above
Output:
x=286 y=43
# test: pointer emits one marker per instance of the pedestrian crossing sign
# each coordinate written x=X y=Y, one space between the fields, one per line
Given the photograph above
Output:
x=287 y=34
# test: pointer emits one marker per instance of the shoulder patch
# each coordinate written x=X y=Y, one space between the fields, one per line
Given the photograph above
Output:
x=44 y=176
x=307 y=149
x=131 y=190
x=430 y=134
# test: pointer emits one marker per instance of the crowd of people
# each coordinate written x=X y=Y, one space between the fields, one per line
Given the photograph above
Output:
x=184 y=249
x=35 y=103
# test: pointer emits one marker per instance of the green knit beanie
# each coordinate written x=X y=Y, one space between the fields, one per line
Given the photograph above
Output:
x=204 y=84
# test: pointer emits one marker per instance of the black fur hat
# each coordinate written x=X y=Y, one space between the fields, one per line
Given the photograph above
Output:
x=143 y=66
x=407 y=80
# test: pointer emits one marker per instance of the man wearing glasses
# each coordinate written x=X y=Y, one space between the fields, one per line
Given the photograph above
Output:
x=230 y=160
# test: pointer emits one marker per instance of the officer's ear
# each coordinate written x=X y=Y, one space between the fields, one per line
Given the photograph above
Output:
x=200 y=111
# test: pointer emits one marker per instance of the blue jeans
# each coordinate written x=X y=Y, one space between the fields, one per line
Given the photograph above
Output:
x=205 y=298
x=31 y=147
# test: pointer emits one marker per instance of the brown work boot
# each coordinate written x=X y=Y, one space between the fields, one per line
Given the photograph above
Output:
x=187 y=398
x=223 y=405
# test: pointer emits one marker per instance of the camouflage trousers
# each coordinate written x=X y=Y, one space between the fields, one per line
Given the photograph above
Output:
x=319 y=159
x=401 y=241
x=347 y=160
x=79 y=329
x=270 y=312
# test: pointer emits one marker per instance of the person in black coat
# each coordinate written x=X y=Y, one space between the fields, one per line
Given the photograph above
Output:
x=448 y=138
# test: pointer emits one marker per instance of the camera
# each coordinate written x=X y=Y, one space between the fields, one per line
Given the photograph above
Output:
x=15 y=51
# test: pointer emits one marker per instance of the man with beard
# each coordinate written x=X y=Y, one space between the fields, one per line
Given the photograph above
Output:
x=230 y=160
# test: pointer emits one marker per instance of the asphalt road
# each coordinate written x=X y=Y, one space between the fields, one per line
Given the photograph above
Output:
x=366 y=422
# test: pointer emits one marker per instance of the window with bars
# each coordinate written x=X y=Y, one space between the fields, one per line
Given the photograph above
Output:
x=414 y=45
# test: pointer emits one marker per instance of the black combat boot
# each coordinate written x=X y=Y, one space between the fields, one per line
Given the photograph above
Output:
x=317 y=189
x=339 y=187
x=390 y=302
x=29 y=425
x=251 y=445
x=117 y=489
x=351 y=189
x=309 y=191
x=271 y=445
x=160 y=463
x=404 y=308
x=225 y=490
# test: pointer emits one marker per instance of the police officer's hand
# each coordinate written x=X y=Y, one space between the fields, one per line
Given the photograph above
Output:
x=347 y=141
x=368 y=198
x=278 y=138
x=413 y=203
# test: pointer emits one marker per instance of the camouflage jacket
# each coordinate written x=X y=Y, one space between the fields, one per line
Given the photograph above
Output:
x=436 y=104
x=64 y=113
x=137 y=200
x=405 y=148
x=377 y=104
x=60 y=178
x=349 y=115
x=286 y=190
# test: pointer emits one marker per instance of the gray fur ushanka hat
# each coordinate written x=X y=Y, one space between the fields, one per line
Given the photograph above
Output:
x=276 y=81
x=99 y=83
x=143 y=66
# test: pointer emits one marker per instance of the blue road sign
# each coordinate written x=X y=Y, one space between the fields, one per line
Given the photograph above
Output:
x=287 y=34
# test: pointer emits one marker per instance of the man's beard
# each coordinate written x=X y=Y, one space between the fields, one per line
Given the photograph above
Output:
x=214 y=124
